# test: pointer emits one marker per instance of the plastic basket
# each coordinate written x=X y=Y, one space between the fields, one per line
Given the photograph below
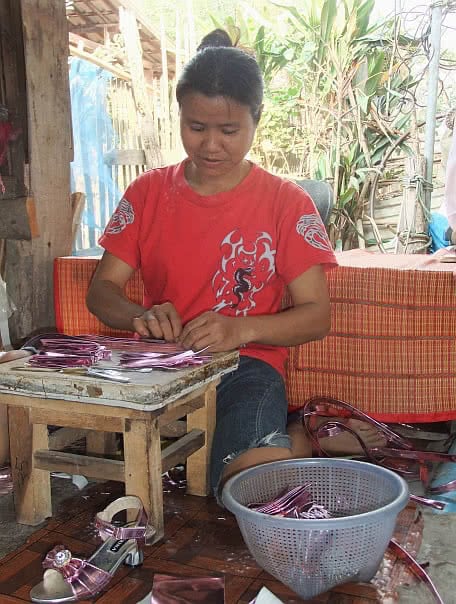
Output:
x=312 y=556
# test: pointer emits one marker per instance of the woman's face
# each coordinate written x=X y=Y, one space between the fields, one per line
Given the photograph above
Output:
x=217 y=133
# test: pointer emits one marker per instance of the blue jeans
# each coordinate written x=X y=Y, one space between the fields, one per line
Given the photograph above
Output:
x=251 y=413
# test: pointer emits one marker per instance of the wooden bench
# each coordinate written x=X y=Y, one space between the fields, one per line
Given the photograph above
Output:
x=97 y=408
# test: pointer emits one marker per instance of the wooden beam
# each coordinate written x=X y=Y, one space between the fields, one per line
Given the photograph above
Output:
x=18 y=219
x=94 y=27
x=174 y=429
x=173 y=412
x=103 y=16
x=109 y=469
x=29 y=266
x=178 y=451
x=70 y=418
x=82 y=44
x=116 y=71
x=92 y=467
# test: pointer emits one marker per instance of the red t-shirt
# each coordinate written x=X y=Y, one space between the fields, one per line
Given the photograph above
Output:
x=233 y=252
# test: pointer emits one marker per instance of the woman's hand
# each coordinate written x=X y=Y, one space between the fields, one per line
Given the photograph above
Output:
x=162 y=322
x=214 y=330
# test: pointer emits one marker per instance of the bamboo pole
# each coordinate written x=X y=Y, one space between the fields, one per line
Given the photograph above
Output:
x=164 y=89
x=129 y=29
x=431 y=105
x=191 y=28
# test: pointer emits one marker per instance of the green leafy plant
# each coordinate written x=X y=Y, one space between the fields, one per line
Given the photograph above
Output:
x=337 y=97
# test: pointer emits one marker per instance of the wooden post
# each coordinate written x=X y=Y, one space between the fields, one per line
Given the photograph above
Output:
x=18 y=219
x=13 y=95
x=32 y=487
x=29 y=265
x=198 y=464
x=143 y=469
x=412 y=227
x=129 y=29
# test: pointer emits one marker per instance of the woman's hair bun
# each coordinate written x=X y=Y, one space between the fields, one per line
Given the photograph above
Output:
x=218 y=37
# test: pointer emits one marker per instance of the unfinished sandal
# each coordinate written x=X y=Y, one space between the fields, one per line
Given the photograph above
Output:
x=69 y=579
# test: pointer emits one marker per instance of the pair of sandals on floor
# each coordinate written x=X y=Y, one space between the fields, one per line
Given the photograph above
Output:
x=69 y=579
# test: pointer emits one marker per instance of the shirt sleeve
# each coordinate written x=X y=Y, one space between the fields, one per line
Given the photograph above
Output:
x=302 y=239
x=121 y=235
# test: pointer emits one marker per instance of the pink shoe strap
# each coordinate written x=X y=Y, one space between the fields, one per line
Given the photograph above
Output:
x=138 y=530
x=108 y=530
x=400 y=456
x=413 y=566
x=85 y=579
x=335 y=408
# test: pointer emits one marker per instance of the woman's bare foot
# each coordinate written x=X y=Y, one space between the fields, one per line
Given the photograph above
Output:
x=347 y=444
x=300 y=442
x=340 y=444
x=13 y=355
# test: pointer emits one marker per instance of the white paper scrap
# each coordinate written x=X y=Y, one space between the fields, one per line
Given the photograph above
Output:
x=266 y=597
x=78 y=480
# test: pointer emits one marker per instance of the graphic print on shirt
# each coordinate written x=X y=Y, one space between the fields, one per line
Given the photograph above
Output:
x=123 y=216
x=311 y=228
x=245 y=268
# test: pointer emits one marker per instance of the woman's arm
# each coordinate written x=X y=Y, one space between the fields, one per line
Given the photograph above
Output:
x=309 y=319
x=107 y=301
x=106 y=298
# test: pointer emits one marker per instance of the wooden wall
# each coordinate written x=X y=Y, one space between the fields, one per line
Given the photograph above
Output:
x=42 y=26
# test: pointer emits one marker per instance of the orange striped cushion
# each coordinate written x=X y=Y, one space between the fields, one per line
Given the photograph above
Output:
x=72 y=276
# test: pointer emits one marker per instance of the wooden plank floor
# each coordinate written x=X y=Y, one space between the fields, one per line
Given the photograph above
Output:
x=200 y=539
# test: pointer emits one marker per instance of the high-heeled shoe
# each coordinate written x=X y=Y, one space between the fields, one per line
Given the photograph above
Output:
x=69 y=579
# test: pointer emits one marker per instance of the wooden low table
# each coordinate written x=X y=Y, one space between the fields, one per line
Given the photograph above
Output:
x=97 y=408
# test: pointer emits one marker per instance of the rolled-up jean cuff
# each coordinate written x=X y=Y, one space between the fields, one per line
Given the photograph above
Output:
x=275 y=439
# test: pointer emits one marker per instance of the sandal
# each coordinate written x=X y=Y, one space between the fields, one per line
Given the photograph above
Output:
x=69 y=579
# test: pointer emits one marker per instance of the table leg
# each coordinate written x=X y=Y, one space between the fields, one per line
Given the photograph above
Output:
x=4 y=438
x=143 y=468
x=31 y=487
x=198 y=463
